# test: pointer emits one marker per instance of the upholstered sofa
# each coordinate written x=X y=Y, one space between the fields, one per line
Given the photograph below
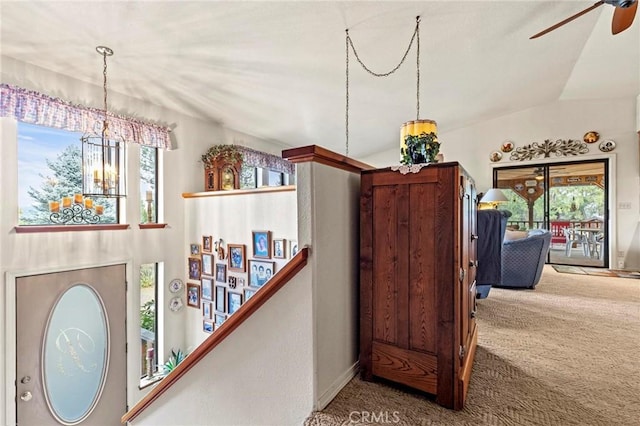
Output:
x=491 y=228
x=523 y=258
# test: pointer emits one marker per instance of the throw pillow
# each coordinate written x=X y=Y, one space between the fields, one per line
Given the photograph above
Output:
x=514 y=235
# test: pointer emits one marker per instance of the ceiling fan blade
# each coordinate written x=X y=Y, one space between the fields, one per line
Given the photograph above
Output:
x=623 y=18
x=571 y=18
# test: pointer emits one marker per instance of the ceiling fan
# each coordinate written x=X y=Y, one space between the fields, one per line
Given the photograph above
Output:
x=625 y=11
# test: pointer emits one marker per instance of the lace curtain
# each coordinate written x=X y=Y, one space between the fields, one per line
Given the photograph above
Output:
x=37 y=108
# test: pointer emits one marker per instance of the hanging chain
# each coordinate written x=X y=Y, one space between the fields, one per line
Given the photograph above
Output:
x=105 y=125
x=349 y=43
x=417 y=67
x=346 y=116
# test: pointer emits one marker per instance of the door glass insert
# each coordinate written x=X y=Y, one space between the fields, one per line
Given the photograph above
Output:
x=75 y=354
x=568 y=199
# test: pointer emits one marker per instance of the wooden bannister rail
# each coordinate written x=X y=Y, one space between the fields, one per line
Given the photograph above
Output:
x=241 y=315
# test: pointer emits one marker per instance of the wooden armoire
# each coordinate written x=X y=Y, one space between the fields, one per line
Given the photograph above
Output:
x=417 y=279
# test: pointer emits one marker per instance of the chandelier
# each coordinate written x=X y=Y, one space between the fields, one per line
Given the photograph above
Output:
x=103 y=157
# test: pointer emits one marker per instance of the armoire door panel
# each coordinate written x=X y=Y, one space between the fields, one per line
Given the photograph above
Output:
x=385 y=274
x=423 y=270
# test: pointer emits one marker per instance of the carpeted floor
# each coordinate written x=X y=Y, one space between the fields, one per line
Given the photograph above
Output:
x=583 y=270
x=566 y=353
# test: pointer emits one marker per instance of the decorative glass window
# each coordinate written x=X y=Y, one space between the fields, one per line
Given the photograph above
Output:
x=50 y=180
x=148 y=184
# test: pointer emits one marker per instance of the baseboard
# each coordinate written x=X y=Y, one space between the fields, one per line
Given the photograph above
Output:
x=337 y=386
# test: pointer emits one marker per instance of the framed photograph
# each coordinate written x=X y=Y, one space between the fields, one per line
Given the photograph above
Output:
x=260 y=271
x=233 y=282
x=279 y=248
x=221 y=272
x=207 y=243
x=221 y=298
x=194 y=249
x=193 y=295
x=207 y=288
x=248 y=293
x=237 y=257
x=293 y=248
x=206 y=310
x=234 y=302
x=207 y=264
x=207 y=326
x=261 y=244
x=195 y=268
x=219 y=319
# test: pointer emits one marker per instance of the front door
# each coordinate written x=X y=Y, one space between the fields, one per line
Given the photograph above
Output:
x=71 y=347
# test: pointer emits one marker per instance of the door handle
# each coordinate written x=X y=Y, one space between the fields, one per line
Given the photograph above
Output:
x=26 y=396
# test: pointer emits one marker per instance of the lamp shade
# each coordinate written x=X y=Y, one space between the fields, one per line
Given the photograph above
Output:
x=494 y=195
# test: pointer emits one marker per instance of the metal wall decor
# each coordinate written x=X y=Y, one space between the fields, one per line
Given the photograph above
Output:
x=559 y=148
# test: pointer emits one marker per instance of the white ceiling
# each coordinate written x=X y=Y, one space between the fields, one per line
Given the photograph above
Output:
x=276 y=70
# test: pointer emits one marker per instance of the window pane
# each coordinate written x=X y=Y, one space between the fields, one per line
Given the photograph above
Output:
x=148 y=186
x=49 y=171
x=148 y=319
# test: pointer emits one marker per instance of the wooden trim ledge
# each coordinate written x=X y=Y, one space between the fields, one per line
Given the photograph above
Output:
x=322 y=155
x=241 y=315
x=152 y=225
x=28 y=229
x=239 y=191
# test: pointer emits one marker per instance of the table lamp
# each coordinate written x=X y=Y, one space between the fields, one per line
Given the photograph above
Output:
x=492 y=198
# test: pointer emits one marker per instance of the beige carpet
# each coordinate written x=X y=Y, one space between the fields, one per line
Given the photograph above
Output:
x=566 y=353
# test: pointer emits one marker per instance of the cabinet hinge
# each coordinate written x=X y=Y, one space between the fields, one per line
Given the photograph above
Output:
x=461 y=192
x=462 y=352
x=461 y=274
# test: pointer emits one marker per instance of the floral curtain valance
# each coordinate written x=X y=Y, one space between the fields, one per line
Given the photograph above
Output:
x=255 y=158
x=37 y=108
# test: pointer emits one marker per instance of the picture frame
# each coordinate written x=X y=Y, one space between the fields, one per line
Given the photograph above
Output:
x=260 y=271
x=207 y=244
x=207 y=264
x=194 y=249
x=221 y=272
x=233 y=281
x=219 y=319
x=237 y=255
x=293 y=248
x=279 y=245
x=206 y=310
x=206 y=288
x=195 y=268
x=234 y=301
x=207 y=326
x=261 y=244
x=221 y=298
x=193 y=295
x=248 y=293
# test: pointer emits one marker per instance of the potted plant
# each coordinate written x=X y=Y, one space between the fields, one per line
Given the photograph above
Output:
x=422 y=148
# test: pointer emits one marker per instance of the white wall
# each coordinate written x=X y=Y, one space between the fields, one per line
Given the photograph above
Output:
x=614 y=119
x=328 y=218
x=30 y=253
x=243 y=381
x=232 y=218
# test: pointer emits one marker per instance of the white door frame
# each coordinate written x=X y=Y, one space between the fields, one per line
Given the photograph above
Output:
x=10 y=325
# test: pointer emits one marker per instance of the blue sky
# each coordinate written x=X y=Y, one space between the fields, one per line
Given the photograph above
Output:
x=35 y=145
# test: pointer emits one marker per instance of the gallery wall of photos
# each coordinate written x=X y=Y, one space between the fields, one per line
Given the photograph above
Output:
x=224 y=275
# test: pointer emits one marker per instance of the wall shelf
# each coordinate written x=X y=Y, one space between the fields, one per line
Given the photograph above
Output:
x=264 y=189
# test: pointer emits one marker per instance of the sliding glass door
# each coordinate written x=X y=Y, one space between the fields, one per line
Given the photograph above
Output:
x=569 y=199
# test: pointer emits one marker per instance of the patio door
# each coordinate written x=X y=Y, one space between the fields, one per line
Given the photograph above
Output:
x=71 y=347
x=570 y=199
